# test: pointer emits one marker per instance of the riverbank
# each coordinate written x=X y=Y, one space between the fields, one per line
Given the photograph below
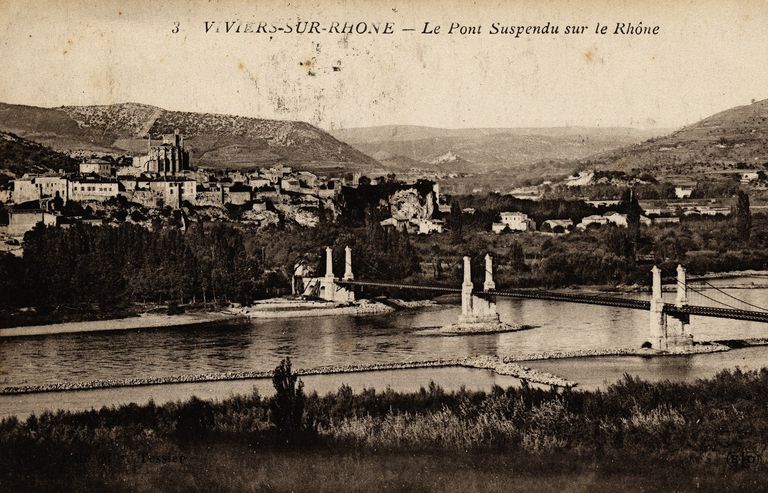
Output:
x=301 y=308
x=730 y=274
x=232 y=315
x=143 y=321
x=644 y=288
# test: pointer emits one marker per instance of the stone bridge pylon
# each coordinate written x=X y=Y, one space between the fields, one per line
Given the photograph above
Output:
x=327 y=287
x=669 y=331
x=477 y=308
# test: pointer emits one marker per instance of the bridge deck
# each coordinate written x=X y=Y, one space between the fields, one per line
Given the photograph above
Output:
x=518 y=293
x=377 y=284
x=572 y=298
x=697 y=310
x=714 y=312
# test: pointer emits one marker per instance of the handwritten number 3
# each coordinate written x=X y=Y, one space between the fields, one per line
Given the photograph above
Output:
x=175 y=28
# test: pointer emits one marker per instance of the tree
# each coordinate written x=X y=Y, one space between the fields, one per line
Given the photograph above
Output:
x=456 y=223
x=619 y=242
x=516 y=256
x=194 y=417
x=287 y=406
x=631 y=207
x=743 y=216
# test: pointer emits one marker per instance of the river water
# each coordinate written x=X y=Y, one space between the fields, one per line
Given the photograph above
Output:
x=320 y=341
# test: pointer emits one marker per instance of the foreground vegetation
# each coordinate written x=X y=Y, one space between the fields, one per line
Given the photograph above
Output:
x=634 y=435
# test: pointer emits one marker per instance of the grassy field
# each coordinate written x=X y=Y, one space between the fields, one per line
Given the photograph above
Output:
x=237 y=467
x=634 y=436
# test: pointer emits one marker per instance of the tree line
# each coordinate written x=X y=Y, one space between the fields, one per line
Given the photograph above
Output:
x=210 y=261
x=105 y=265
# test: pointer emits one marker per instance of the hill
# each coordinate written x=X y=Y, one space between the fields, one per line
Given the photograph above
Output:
x=513 y=155
x=723 y=140
x=19 y=156
x=214 y=140
x=401 y=133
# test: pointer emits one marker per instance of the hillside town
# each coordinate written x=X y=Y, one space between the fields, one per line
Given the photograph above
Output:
x=164 y=179
x=162 y=187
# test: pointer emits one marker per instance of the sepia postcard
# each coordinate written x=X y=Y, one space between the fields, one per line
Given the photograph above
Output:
x=347 y=245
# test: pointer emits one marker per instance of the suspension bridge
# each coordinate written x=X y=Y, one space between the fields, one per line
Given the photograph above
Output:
x=668 y=325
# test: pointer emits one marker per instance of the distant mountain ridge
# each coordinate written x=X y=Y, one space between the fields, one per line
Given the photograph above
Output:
x=400 y=133
x=214 y=139
x=511 y=155
x=721 y=141
x=500 y=156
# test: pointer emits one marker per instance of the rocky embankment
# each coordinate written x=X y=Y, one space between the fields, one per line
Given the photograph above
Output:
x=481 y=362
x=412 y=304
x=742 y=343
x=507 y=365
x=501 y=367
x=701 y=348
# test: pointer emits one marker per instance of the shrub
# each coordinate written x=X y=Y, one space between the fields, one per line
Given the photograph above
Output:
x=287 y=406
x=195 y=417
x=174 y=308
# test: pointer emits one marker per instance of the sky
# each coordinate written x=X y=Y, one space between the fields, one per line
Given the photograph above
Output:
x=708 y=56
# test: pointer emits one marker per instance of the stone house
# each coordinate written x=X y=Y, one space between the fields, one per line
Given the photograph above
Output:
x=513 y=221
x=22 y=220
x=87 y=188
x=99 y=167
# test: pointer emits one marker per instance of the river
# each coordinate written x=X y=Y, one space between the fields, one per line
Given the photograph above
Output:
x=332 y=340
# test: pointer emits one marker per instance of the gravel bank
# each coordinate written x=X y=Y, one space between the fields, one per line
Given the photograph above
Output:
x=301 y=309
x=472 y=329
x=410 y=304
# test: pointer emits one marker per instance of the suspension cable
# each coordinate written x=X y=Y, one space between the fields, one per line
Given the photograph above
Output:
x=716 y=300
x=708 y=297
x=734 y=297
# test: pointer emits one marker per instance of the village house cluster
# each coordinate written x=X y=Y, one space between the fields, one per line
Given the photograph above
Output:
x=163 y=178
x=670 y=214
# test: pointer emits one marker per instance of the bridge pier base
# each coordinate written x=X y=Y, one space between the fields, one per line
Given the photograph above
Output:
x=668 y=332
x=479 y=310
x=476 y=309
